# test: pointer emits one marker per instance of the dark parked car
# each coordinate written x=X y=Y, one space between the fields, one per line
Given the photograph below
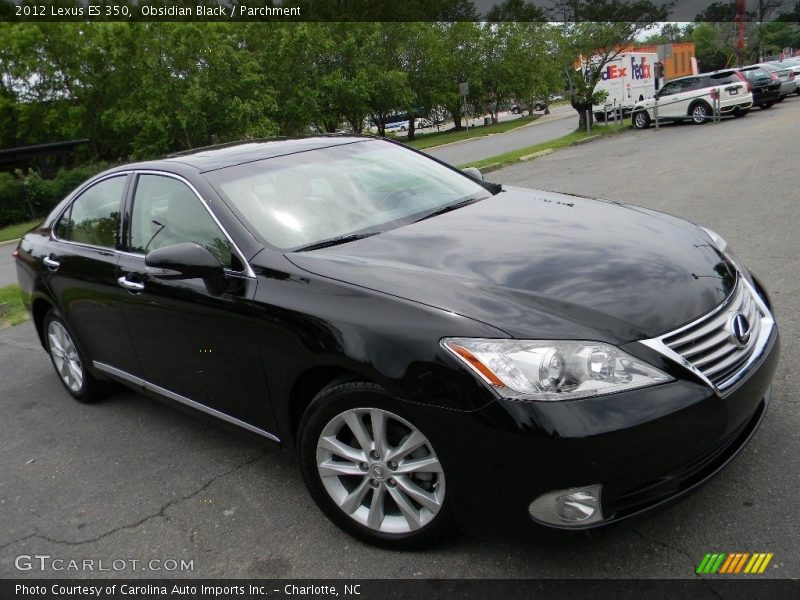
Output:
x=438 y=349
x=766 y=86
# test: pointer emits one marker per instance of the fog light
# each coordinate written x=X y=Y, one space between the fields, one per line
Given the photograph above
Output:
x=575 y=507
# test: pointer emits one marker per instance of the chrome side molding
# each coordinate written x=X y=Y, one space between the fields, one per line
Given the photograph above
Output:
x=151 y=387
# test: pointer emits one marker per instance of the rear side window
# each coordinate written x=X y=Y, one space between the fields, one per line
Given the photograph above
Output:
x=756 y=74
x=167 y=212
x=93 y=217
x=723 y=78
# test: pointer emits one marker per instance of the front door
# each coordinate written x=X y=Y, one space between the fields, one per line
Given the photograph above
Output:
x=190 y=342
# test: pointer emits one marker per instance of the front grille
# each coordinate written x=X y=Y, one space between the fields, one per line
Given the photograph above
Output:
x=709 y=344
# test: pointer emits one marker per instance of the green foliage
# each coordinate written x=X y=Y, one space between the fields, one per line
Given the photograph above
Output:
x=27 y=195
x=12 y=310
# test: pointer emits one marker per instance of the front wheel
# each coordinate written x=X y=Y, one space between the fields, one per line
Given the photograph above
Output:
x=742 y=113
x=70 y=363
x=641 y=119
x=371 y=469
x=766 y=105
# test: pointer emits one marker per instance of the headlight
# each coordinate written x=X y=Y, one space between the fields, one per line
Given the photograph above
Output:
x=726 y=251
x=553 y=370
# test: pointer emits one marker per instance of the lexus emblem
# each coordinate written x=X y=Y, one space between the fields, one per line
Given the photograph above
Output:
x=740 y=329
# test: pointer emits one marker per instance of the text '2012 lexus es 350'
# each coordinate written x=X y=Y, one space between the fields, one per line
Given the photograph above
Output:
x=439 y=350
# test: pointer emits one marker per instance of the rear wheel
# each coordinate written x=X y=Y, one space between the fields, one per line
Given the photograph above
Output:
x=371 y=469
x=70 y=363
x=700 y=113
x=766 y=105
x=641 y=119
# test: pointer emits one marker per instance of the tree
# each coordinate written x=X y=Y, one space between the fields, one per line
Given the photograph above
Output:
x=516 y=10
x=421 y=56
x=462 y=51
x=595 y=32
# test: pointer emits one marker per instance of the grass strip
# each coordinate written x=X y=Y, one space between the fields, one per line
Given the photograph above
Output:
x=12 y=232
x=12 y=311
x=493 y=163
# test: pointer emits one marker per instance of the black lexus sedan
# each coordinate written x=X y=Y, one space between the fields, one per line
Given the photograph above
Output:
x=439 y=350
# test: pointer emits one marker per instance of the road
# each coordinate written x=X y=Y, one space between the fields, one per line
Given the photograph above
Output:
x=8 y=271
x=561 y=121
x=132 y=478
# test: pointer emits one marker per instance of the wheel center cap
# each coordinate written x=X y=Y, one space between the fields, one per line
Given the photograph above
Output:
x=377 y=471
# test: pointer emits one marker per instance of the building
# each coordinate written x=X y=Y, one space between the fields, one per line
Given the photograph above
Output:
x=678 y=58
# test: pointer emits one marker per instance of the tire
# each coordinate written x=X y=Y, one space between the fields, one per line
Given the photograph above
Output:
x=700 y=113
x=742 y=113
x=766 y=105
x=641 y=119
x=346 y=480
x=515 y=110
x=600 y=117
x=538 y=106
x=70 y=363
x=781 y=98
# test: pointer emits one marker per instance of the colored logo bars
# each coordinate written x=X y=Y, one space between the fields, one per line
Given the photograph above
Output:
x=732 y=563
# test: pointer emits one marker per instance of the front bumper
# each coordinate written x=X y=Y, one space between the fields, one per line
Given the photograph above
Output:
x=646 y=447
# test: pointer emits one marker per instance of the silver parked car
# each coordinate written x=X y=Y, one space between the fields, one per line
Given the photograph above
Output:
x=786 y=76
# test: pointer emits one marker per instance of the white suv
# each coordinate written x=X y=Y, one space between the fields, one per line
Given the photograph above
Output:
x=693 y=98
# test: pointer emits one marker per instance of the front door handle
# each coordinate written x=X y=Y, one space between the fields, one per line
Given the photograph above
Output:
x=51 y=263
x=130 y=285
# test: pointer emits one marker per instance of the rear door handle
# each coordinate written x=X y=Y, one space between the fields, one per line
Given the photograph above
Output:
x=130 y=285
x=51 y=263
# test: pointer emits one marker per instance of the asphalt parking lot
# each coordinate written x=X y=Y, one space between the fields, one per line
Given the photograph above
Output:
x=130 y=478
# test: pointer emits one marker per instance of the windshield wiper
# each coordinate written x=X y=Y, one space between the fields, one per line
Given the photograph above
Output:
x=448 y=208
x=342 y=239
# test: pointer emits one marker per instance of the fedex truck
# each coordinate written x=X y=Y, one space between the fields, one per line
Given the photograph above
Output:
x=628 y=78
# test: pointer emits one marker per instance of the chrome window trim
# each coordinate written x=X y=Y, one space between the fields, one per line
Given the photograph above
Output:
x=248 y=270
x=756 y=356
x=151 y=387
x=77 y=194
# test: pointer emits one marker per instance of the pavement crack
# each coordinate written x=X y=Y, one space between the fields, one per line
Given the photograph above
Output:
x=18 y=540
x=160 y=513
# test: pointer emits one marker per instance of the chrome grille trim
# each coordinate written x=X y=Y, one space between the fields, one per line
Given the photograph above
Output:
x=706 y=346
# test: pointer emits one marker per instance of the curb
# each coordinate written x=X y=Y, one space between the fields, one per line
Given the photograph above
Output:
x=9 y=242
x=544 y=152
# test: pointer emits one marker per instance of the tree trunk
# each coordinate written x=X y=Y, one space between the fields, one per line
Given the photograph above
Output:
x=582 y=116
x=411 y=127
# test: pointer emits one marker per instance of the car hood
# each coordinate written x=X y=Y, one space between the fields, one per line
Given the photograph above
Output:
x=543 y=265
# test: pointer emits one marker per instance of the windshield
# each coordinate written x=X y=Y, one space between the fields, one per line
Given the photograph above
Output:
x=306 y=198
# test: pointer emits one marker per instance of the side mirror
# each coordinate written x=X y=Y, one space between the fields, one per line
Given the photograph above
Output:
x=188 y=261
x=473 y=172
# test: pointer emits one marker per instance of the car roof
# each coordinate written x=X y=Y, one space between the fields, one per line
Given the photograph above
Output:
x=220 y=156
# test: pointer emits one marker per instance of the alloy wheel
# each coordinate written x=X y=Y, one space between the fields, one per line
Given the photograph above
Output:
x=380 y=470
x=65 y=356
x=699 y=114
x=640 y=120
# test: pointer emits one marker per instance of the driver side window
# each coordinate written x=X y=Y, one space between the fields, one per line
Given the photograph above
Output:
x=166 y=212
x=673 y=87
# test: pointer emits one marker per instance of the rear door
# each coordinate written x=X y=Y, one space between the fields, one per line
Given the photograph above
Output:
x=196 y=346
x=81 y=260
